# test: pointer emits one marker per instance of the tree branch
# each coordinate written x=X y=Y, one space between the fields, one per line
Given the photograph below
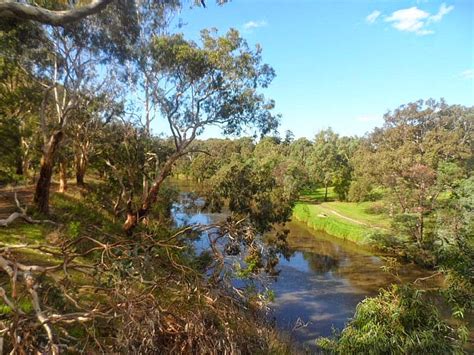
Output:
x=13 y=9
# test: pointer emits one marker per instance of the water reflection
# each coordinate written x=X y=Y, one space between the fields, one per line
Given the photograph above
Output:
x=322 y=282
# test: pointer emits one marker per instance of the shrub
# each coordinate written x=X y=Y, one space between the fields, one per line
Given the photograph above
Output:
x=398 y=321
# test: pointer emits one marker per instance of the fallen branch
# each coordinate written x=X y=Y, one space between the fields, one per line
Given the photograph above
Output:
x=22 y=214
x=31 y=287
x=428 y=277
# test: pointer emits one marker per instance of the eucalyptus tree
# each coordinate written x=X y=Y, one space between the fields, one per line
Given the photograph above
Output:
x=62 y=13
x=410 y=157
x=20 y=94
x=195 y=86
x=346 y=147
x=18 y=118
x=323 y=159
x=70 y=84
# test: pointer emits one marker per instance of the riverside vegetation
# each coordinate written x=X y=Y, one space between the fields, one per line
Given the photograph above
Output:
x=95 y=264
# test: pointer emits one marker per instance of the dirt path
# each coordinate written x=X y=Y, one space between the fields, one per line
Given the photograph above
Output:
x=344 y=217
x=350 y=219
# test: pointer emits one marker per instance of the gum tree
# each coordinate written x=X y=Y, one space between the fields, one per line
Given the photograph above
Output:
x=197 y=86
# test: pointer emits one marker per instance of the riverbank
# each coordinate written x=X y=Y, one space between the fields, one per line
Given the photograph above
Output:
x=346 y=220
x=161 y=303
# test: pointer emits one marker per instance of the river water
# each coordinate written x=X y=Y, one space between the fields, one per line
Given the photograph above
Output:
x=321 y=283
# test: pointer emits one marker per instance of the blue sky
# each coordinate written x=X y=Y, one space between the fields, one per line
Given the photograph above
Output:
x=343 y=64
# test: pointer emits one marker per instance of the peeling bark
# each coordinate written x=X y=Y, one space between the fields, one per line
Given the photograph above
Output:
x=81 y=166
x=63 y=176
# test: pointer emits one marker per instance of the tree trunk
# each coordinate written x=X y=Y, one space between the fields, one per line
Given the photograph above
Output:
x=25 y=159
x=146 y=187
x=63 y=176
x=19 y=166
x=26 y=166
x=325 y=192
x=133 y=217
x=41 y=198
x=81 y=166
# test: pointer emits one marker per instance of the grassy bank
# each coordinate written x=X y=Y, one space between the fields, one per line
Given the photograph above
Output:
x=149 y=291
x=346 y=220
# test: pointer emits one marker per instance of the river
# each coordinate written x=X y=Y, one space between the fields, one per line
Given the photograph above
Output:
x=321 y=283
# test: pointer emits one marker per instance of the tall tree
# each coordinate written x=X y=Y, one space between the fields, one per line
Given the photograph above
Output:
x=198 y=86
x=70 y=84
x=323 y=159
x=407 y=156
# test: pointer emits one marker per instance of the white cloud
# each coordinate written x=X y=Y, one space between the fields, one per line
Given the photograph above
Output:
x=251 y=25
x=416 y=20
x=468 y=74
x=443 y=10
x=372 y=17
x=409 y=20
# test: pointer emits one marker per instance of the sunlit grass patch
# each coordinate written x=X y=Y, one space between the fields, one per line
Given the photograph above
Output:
x=354 y=221
x=20 y=232
x=318 y=218
x=362 y=211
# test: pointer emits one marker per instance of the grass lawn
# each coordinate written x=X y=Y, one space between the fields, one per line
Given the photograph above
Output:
x=347 y=220
x=361 y=211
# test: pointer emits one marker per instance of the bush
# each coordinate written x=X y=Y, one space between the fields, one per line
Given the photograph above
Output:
x=398 y=321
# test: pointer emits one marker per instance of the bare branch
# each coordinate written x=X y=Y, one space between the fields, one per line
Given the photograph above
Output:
x=13 y=9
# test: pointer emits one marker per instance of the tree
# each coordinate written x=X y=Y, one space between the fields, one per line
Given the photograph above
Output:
x=406 y=155
x=323 y=159
x=69 y=85
x=62 y=14
x=195 y=87
x=346 y=147
x=20 y=96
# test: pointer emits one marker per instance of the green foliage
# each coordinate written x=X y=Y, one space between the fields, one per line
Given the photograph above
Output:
x=454 y=247
x=74 y=229
x=221 y=75
x=252 y=190
x=329 y=162
x=400 y=320
x=419 y=153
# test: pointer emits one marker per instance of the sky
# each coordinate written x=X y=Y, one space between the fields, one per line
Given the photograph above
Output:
x=344 y=63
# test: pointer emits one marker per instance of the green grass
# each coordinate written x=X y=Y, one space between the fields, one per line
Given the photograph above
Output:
x=21 y=232
x=72 y=210
x=321 y=215
x=312 y=215
x=361 y=211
